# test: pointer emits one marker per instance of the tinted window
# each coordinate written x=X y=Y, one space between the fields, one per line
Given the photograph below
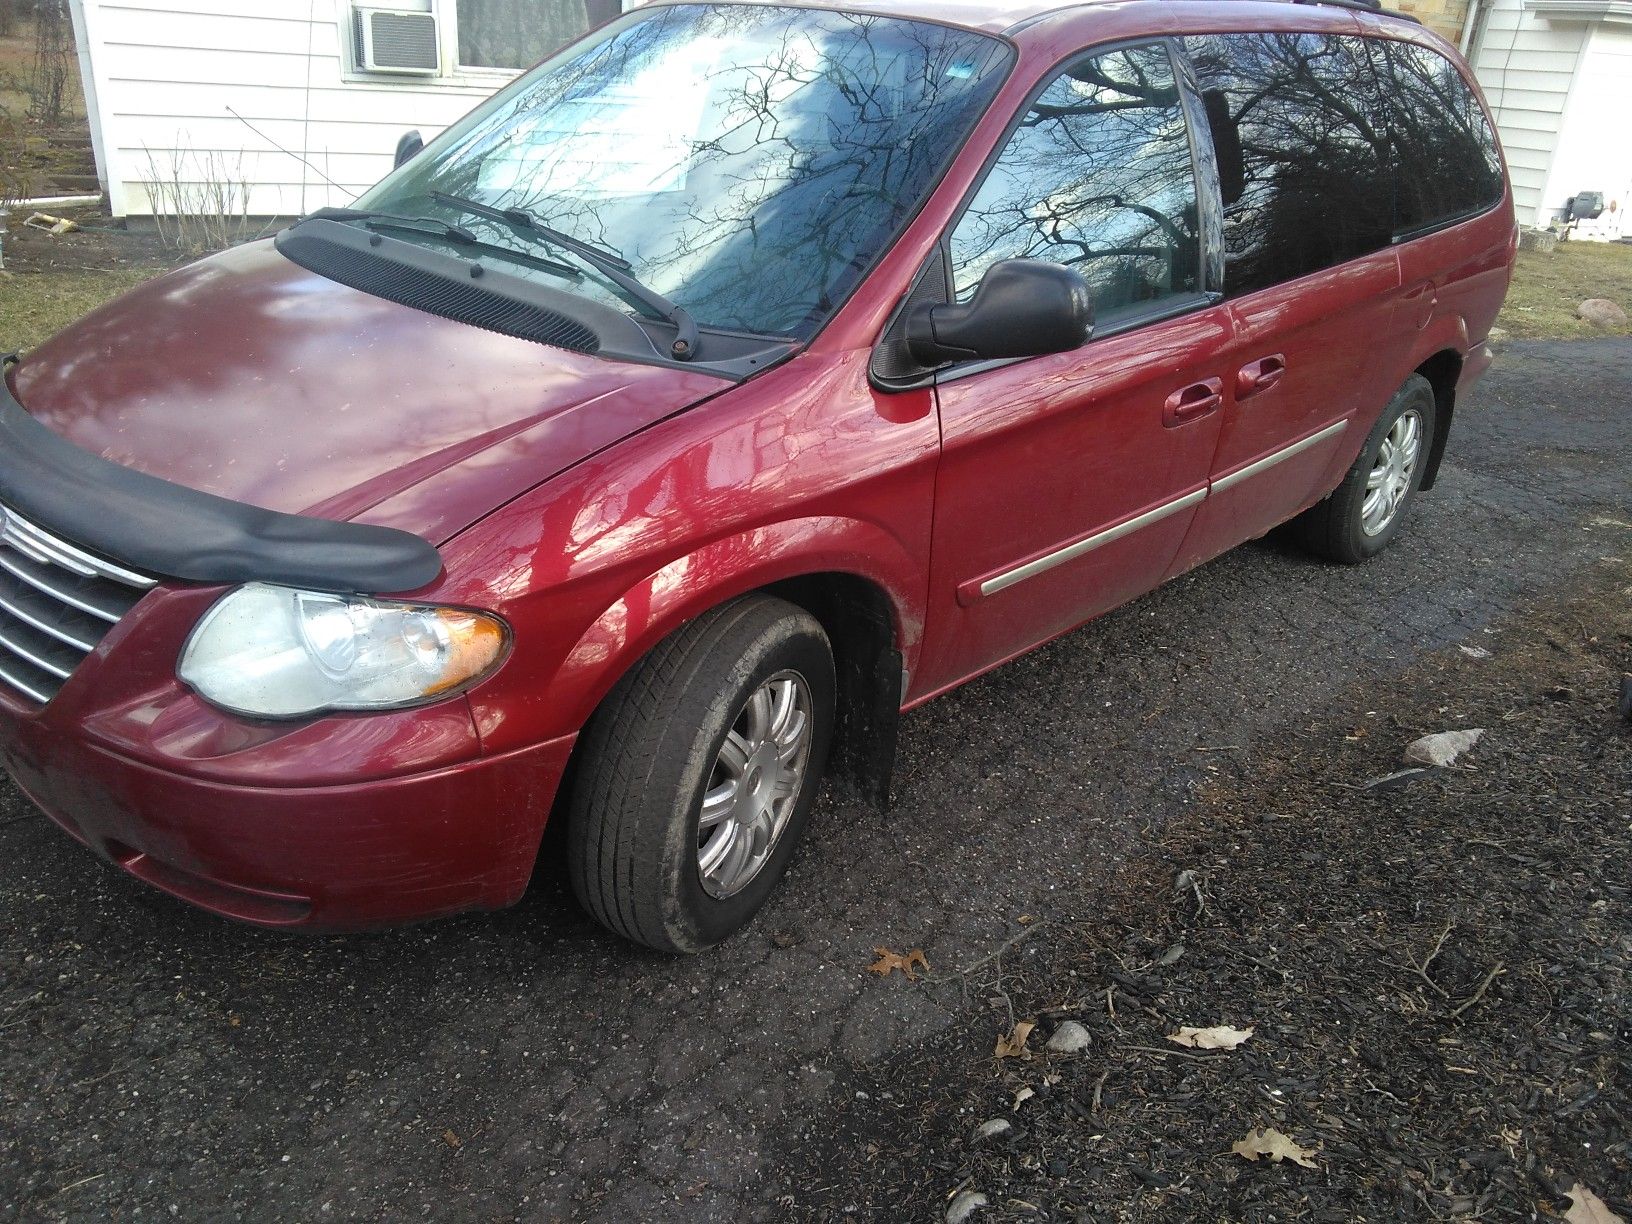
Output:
x=1446 y=163
x=1098 y=176
x=749 y=161
x=1303 y=148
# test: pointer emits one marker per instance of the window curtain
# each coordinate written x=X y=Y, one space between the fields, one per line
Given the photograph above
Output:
x=519 y=33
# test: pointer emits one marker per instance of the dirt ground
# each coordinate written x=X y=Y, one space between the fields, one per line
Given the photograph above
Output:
x=1436 y=972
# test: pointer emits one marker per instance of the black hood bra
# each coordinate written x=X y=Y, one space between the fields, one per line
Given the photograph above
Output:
x=168 y=530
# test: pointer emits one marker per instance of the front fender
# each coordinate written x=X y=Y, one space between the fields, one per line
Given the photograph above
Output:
x=654 y=607
x=803 y=470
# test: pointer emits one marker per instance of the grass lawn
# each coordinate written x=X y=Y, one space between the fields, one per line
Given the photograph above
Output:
x=1547 y=289
x=34 y=305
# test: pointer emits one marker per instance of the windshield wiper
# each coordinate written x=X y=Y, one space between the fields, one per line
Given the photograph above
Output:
x=384 y=220
x=438 y=228
x=614 y=267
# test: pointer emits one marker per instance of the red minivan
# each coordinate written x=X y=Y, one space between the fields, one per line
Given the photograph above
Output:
x=742 y=376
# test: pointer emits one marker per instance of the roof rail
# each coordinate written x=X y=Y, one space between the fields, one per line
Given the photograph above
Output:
x=1365 y=6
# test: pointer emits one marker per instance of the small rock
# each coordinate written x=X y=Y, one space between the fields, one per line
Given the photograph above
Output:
x=965 y=1205
x=1624 y=707
x=992 y=1128
x=1069 y=1038
x=1601 y=312
x=1442 y=748
x=1475 y=652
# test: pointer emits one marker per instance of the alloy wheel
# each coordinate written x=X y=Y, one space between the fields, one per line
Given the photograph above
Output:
x=755 y=784
x=1389 y=482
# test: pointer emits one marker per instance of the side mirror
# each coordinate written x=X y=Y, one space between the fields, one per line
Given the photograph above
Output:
x=1022 y=308
x=408 y=148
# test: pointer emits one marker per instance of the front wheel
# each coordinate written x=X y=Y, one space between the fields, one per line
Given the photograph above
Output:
x=698 y=775
x=1365 y=512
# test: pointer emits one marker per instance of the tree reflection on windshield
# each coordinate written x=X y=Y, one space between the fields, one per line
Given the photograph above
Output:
x=749 y=162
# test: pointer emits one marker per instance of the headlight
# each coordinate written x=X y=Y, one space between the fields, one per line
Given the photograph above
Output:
x=272 y=652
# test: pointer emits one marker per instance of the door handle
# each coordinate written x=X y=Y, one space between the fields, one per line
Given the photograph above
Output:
x=1193 y=402
x=1259 y=375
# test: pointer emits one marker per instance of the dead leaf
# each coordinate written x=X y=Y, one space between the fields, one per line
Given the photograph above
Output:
x=1273 y=1145
x=1219 y=1037
x=889 y=962
x=451 y=1139
x=1587 y=1208
x=1014 y=1045
x=1021 y=1097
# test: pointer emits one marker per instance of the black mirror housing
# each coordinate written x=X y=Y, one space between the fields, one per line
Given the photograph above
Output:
x=408 y=148
x=1022 y=308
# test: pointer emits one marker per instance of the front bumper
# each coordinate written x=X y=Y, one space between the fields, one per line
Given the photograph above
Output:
x=332 y=857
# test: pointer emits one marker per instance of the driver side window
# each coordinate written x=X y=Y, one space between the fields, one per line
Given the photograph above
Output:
x=1097 y=176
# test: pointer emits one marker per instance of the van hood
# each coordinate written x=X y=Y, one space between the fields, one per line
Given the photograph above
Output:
x=253 y=379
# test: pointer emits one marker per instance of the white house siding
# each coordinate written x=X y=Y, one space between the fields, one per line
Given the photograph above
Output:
x=180 y=82
x=1525 y=63
x=1595 y=147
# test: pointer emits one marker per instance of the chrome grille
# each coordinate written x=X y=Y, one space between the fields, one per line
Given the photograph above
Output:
x=57 y=602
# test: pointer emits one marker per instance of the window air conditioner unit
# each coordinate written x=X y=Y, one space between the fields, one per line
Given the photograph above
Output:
x=400 y=41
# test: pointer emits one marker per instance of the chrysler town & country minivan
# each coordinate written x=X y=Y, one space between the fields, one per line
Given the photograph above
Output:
x=744 y=375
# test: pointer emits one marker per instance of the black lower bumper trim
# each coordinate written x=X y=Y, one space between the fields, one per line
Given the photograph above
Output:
x=171 y=531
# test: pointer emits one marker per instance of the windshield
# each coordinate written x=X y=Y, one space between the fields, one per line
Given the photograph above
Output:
x=749 y=162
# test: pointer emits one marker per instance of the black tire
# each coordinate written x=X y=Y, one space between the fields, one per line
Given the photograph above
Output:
x=649 y=753
x=1334 y=528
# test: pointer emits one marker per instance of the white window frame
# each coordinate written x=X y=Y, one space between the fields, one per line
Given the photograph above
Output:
x=453 y=74
x=447 y=23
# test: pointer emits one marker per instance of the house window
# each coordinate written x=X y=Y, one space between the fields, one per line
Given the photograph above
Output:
x=516 y=34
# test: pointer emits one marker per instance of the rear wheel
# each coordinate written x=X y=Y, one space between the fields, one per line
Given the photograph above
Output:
x=698 y=775
x=1365 y=512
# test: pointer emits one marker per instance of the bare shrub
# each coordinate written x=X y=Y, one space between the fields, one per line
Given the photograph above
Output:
x=52 y=82
x=15 y=181
x=200 y=200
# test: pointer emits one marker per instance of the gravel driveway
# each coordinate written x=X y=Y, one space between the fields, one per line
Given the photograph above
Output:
x=161 y=1062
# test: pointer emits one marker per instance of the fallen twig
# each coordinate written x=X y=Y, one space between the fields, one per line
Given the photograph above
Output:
x=1018 y=937
x=1422 y=970
x=82 y=1181
x=1490 y=977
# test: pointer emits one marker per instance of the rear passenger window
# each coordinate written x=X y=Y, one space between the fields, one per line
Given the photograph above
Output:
x=1098 y=175
x=1303 y=146
x=1446 y=163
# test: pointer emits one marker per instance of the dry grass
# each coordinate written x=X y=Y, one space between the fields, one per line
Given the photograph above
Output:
x=1547 y=289
x=36 y=305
